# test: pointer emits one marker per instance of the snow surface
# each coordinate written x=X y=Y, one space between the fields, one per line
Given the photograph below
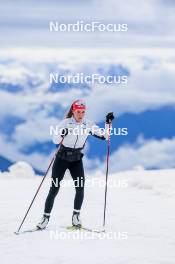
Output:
x=140 y=212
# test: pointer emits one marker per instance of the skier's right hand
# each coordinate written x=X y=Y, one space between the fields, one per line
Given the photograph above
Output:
x=64 y=132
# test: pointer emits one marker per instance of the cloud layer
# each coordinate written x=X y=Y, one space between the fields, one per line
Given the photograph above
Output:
x=149 y=154
x=151 y=23
x=35 y=106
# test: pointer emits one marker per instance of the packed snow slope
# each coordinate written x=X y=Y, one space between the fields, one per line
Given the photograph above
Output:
x=140 y=219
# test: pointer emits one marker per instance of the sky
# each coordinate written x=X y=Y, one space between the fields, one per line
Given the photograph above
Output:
x=29 y=52
x=26 y=23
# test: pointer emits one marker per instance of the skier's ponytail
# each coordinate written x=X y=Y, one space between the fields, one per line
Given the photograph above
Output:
x=69 y=114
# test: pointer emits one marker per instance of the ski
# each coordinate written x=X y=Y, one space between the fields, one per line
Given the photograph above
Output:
x=69 y=228
x=28 y=231
x=74 y=228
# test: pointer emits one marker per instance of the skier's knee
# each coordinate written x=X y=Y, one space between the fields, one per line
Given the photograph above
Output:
x=53 y=191
x=55 y=182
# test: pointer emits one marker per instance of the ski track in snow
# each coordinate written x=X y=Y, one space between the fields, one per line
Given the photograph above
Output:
x=144 y=209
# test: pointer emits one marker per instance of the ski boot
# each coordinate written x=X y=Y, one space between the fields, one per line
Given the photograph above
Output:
x=44 y=221
x=76 y=222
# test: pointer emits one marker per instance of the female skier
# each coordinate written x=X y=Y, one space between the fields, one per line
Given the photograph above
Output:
x=69 y=156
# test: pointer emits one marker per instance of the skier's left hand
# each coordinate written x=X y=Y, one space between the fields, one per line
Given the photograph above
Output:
x=109 y=117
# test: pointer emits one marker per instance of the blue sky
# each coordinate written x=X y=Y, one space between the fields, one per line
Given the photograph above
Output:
x=29 y=52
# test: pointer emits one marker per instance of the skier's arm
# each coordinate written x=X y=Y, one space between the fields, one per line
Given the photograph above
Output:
x=103 y=134
x=60 y=131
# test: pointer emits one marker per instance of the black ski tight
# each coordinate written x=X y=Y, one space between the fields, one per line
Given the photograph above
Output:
x=58 y=170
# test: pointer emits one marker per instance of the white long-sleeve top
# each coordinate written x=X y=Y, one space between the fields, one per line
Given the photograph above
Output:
x=78 y=132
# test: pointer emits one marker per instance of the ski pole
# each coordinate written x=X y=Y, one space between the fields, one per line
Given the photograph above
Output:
x=106 y=182
x=38 y=189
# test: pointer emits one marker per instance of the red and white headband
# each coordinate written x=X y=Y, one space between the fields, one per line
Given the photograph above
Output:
x=78 y=104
